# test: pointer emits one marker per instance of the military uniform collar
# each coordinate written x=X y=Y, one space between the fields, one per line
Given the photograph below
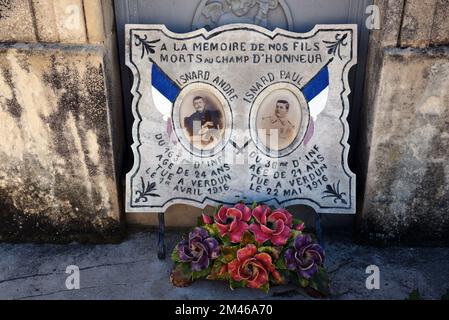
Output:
x=275 y=119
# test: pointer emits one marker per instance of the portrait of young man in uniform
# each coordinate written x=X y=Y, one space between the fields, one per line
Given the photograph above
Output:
x=279 y=128
x=204 y=126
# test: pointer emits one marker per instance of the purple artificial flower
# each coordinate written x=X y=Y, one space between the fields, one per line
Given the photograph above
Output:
x=199 y=249
x=305 y=256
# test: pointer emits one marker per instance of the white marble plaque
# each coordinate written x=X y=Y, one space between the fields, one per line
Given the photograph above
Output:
x=240 y=113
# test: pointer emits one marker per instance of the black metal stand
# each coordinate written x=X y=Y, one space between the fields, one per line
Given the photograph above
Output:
x=319 y=231
x=161 y=244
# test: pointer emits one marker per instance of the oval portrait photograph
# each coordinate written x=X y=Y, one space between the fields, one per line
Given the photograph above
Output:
x=202 y=118
x=281 y=118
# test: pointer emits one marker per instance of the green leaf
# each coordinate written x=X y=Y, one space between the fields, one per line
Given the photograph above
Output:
x=268 y=244
x=222 y=258
x=254 y=205
x=293 y=276
x=200 y=222
x=303 y=282
x=248 y=238
x=236 y=284
x=217 y=273
x=265 y=288
x=226 y=241
x=186 y=268
x=181 y=275
x=280 y=263
x=211 y=229
x=414 y=295
x=290 y=242
x=201 y=274
x=218 y=209
x=174 y=255
x=320 y=282
x=274 y=252
x=229 y=253
x=295 y=233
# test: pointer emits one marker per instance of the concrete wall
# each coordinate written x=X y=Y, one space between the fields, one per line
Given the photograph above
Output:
x=404 y=151
x=61 y=121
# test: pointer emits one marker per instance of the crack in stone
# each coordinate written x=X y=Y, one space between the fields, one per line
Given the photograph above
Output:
x=86 y=288
x=81 y=269
x=341 y=265
x=52 y=293
x=338 y=295
x=288 y=293
x=26 y=277
x=113 y=264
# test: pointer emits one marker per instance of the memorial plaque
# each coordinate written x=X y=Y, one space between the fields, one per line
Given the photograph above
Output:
x=240 y=113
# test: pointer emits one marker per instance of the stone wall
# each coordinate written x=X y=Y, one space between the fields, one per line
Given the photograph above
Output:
x=61 y=125
x=404 y=151
x=61 y=121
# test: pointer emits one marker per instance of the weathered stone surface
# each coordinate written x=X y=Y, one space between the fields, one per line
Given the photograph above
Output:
x=391 y=12
x=417 y=23
x=44 y=13
x=16 y=21
x=440 y=29
x=407 y=186
x=57 y=171
x=70 y=21
x=387 y=36
x=390 y=23
x=94 y=21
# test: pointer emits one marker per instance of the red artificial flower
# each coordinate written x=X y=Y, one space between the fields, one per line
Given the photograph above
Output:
x=223 y=270
x=274 y=226
x=278 y=279
x=233 y=221
x=251 y=266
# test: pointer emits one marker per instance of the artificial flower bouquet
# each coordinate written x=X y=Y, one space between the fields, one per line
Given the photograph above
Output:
x=251 y=247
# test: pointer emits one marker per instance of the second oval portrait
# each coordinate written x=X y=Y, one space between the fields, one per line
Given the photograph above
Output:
x=279 y=119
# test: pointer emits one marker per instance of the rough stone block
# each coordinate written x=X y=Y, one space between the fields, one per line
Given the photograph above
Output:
x=406 y=195
x=440 y=29
x=417 y=23
x=390 y=23
x=58 y=177
x=94 y=21
x=44 y=13
x=16 y=21
x=70 y=21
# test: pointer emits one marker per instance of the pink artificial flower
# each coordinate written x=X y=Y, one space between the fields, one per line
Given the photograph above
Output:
x=206 y=219
x=300 y=226
x=274 y=226
x=233 y=221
